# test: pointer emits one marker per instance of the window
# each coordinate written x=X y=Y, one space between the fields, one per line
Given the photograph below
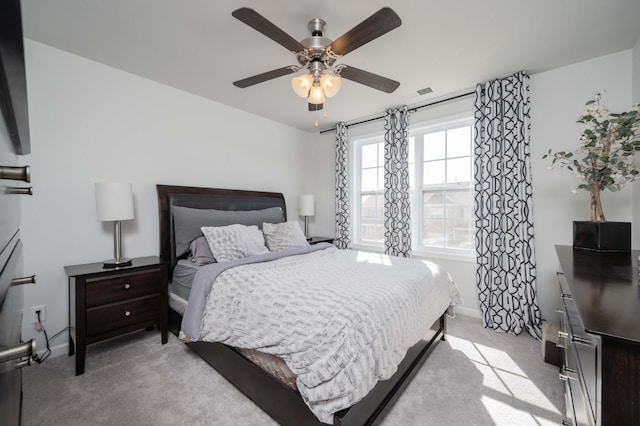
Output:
x=441 y=171
x=370 y=183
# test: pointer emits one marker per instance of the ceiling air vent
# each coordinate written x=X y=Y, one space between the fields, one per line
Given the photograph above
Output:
x=424 y=91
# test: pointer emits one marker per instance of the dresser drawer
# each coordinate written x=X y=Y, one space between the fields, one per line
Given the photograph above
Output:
x=581 y=350
x=120 y=287
x=113 y=317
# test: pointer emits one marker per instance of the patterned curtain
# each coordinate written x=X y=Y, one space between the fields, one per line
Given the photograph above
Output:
x=397 y=221
x=343 y=239
x=506 y=264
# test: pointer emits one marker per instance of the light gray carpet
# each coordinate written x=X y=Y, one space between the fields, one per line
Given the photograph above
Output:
x=476 y=377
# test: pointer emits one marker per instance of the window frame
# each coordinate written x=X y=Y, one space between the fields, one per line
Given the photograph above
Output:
x=432 y=126
x=417 y=175
x=356 y=192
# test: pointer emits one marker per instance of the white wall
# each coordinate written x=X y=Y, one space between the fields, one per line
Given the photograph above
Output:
x=91 y=123
x=557 y=99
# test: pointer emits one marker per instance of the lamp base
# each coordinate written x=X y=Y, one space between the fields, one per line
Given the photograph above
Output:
x=116 y=263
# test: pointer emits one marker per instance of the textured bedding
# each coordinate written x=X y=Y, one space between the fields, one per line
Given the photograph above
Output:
x=273 y=365
x=341 y=320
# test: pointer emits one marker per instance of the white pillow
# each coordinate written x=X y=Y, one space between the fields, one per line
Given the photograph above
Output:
x=234 y=241
x=283 y=236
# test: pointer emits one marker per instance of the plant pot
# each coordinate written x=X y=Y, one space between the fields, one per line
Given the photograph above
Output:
x=602 y=236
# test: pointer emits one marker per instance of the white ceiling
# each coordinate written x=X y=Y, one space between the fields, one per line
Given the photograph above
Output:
x=198 y=47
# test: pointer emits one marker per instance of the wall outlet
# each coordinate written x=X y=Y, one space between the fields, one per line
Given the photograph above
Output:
x=43 y=313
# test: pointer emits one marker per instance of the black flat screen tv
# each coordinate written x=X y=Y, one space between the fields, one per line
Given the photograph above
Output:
x=13 y=79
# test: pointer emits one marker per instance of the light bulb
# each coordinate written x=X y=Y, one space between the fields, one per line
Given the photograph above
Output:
x=302 y=84
x=316 y=95
x=331 y=85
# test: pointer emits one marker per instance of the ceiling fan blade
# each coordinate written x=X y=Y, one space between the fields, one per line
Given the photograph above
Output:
x=371 y=28
x=368 y=79
x=266 y=27
x=250 y=81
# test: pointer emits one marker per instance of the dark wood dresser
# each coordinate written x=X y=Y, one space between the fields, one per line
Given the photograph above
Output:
x=600 y=336
x=108 y=302
x=14 y=141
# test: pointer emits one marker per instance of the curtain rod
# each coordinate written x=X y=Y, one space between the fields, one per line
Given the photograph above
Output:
x=414 y=109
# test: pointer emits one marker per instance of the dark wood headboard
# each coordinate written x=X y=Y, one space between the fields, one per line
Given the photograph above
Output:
x=206 y=198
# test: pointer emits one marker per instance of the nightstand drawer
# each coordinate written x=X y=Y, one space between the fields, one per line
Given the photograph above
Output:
x=115 y=288
x=113 y=317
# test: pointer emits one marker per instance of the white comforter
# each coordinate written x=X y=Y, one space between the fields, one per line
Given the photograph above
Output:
x=341 y=320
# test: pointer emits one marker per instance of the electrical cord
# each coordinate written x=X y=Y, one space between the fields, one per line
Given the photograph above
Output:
x=39 y=327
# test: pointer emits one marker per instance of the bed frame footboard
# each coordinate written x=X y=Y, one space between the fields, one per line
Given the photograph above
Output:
x=286 y=405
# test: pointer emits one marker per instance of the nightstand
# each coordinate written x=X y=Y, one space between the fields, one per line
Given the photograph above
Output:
x=109 y=302
x=316 y=240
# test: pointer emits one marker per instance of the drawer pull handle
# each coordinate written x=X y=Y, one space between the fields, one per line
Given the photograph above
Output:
x=127 y=286
x=24 y=280
x=16 y=173
x=559 y=311
x=566 y=423
x=563 y=377
x=581 y=340
x=19 y=191
x=574 y=339
x=23 y=352
x=569 y=370
x=127 y=313
x=566 y=296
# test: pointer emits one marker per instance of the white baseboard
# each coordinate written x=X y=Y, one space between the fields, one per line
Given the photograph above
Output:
x=57 y=350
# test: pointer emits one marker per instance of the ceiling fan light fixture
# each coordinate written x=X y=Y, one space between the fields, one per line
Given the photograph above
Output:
x=316 y=95
x=301 y=85
x=331 y=85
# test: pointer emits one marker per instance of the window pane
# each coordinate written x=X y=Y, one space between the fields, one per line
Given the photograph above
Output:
x=433 y=233
x=369 y=179
x=434 y=146
x=459 y=142
x=447 y=219
x=412 y=163
x=459 y=170
x=433 y=205
x=458 y=205
x=370 y=155
x=433 y=172
x=371 y=225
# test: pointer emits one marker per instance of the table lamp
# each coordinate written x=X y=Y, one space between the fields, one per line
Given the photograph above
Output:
x=306 y=208
x=114 y=202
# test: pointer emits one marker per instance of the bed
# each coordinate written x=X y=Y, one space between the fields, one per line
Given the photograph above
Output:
x=271 y=392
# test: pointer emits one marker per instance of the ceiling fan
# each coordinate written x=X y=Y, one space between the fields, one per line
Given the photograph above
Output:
x=318 y=54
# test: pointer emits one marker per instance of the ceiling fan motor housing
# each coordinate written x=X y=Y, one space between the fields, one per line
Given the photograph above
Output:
x=316 y=45
x=318 y=54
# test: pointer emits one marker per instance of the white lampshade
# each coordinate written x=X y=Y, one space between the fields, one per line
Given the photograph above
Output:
x=114 y=201
x=316 y=95
x=307 y=206
x=301 y=85
x=330 y=84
